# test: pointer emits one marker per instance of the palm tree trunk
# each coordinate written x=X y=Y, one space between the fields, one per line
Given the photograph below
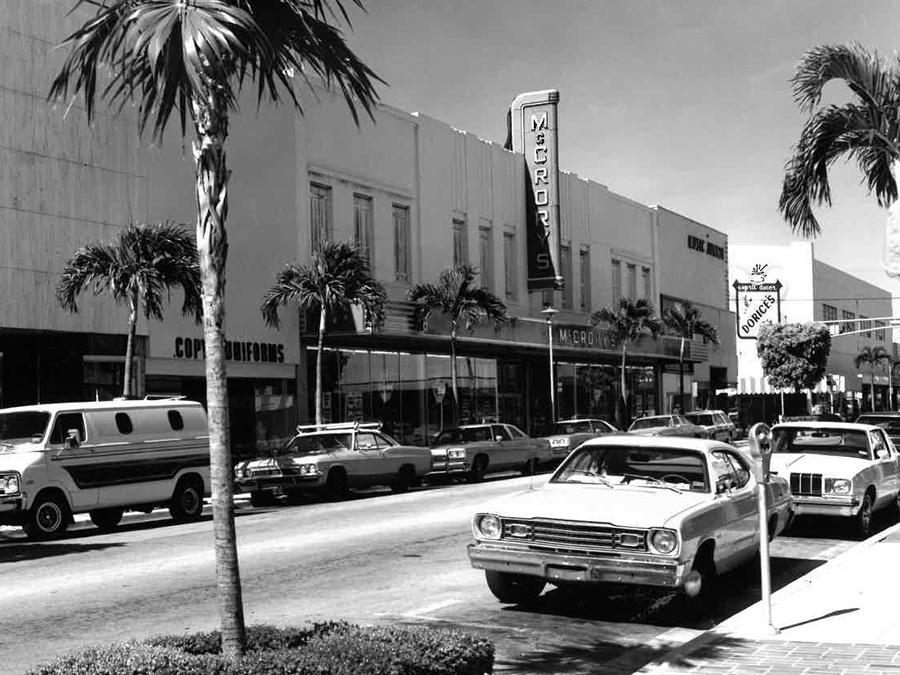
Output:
x=211 y=121
x=454 y=409
x=681 y=376
x=872 y=392
x=892 y=230
x=624 y=392
x=129 y=345
x=320 y=352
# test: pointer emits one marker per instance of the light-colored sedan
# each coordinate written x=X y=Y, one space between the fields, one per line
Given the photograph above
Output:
x=566 y=435
x=473 y=450
x=838 y=469
x=664 y=513
x=667 y=425
x=333 y=458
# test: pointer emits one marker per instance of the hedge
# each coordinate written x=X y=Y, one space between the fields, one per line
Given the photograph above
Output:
x=334 y=648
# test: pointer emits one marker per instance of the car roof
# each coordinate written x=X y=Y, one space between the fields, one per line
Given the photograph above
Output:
x=126 y=404
x=705 y=412
x=814 y=424
x=886 y=413
x=680 y=442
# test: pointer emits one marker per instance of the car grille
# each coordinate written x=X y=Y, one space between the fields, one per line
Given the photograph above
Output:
x=562 y=535
x=806 y=484
x=264 y=471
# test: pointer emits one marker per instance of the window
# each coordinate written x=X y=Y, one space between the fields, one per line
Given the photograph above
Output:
x=402 y=243
x=632 y=281
x=616 y=280
x=176 y=421
x=486 y=252
x=847 y=316
x=500 y=431
x=319 y=214
x=645 y=282
x=64 y=423
x=565 y=263
x=864 y=323
x=363 y=231
x=123 y=423
x=460 y=242
x=510 y=265
x=829 y=313
x=879 y=334
x=584 y=279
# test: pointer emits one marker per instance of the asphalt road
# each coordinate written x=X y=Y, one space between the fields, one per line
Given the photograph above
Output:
x=375 y=558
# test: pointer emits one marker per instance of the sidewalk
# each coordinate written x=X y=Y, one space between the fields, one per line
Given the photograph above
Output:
x=843 y=617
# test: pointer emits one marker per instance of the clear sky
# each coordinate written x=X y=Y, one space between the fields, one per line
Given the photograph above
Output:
x=682 y=104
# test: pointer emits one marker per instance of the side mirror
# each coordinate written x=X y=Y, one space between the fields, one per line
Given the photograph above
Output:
x=882 y=453
x=73 y=438
x=498 y=438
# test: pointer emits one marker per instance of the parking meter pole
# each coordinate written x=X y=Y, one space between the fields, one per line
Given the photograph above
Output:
x=760 y=449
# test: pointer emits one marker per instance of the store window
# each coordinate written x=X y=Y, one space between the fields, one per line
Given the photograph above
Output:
x=402 y=243
x=486 y=259
x=320 y=214
x=363 y=226
x=829 y=313
x=848 y=317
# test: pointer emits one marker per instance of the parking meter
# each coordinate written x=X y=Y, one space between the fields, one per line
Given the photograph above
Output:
x=760 y=446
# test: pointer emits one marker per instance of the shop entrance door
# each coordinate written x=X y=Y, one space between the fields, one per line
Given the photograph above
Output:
x=242 y=417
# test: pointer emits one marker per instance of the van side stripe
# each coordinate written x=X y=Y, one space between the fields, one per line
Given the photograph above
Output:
x=107 y=474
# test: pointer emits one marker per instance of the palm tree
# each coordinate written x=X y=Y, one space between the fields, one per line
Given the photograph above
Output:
x=457 y=295
x=192 y=59
x=144 y=263
x=872 y=356
x=683 y=320
x=629 y=321
x=865 y=130
x=338 y=277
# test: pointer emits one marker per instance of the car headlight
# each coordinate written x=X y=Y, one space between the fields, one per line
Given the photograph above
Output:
x=308 y=469
x=9 y=484
x=241 y=472
x=456 y=453
x=838 y=486
x=663 y=541
x=487 y=526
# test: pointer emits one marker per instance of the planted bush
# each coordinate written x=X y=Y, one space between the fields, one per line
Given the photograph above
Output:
x=334 y=648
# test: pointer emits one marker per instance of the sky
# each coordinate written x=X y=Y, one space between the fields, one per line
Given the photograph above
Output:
x=685 y=105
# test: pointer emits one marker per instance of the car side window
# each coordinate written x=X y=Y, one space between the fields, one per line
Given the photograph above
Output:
x=515 y=432
x=741 y=470
x=366 y=441
x=723 y=472
x=499 y=431
x=878 y=443
x=383 y=441
x=64 y=422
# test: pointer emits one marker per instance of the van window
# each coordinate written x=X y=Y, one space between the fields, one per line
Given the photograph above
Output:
x=123 y=423
x=175 y=420
x=64 y=422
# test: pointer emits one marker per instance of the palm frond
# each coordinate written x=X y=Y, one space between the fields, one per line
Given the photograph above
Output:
x=863 y=71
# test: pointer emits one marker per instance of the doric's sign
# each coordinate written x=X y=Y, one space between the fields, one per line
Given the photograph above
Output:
x=534 y=134
x=754 y=304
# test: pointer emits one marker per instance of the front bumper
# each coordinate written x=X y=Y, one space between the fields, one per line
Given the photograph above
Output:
x=11 y=511
x=629 y=569
x=260 y=483
x=826 y=505
x=446 y=467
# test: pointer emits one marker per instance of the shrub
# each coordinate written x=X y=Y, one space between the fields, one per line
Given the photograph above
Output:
x=334 y=648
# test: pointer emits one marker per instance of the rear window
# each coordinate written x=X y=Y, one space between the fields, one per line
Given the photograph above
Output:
x=704 y=419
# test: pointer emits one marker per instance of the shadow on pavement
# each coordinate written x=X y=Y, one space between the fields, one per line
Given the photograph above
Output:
x=17 y=552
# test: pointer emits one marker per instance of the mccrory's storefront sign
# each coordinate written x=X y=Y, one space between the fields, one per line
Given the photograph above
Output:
x=754 y=304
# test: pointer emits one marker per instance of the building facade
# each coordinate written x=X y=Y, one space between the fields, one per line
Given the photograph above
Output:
x=806 y=289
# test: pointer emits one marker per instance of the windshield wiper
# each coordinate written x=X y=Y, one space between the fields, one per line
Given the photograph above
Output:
x=652 y=479
x=593 y=474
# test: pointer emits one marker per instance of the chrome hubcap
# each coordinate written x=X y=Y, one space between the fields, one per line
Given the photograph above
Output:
x=49 y=517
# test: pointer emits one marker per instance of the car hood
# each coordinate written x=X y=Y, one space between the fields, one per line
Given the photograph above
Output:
x=791 y=462
x=18 y=457
x=621 y=505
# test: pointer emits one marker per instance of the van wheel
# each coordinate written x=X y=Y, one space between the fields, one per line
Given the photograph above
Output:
x=187 y=501
x=48 y=518
x=106 y=519
x=514 y=588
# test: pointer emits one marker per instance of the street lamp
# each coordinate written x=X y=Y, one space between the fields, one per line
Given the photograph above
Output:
x=549 y=312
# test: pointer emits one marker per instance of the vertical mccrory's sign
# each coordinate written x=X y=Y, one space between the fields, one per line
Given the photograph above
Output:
x=533 y=133
x=754 y=304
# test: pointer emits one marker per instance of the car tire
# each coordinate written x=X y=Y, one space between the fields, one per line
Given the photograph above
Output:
x=863 y=518
x=48 y=517
x=530 y=467
x=186 y=503
x=705 y=567
x=406 y=476
x=106 y=520
x=336 y=485
x=479 y=469
x=514 y=588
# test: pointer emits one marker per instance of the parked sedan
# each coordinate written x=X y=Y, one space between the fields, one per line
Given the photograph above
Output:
x=717 y=424
x=566 y=435
x=663 y=513
x=888 y=420
x=838 y=469
x=667 y=425
x=473 y=450
x=333 y=458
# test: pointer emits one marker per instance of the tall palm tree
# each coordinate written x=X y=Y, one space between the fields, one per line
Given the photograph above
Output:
x=145 y=262
x=683 y=320
x=458 y=296
x=865 y=130
x=629 y=321
x=191 y=59
x=872 y=356
x=339 y=276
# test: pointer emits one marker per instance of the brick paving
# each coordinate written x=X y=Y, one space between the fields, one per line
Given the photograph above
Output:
x=722 y=654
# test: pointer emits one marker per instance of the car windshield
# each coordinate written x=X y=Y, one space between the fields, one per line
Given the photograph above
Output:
x=650 y=423
x=809 y=440
x=23 y=426
x=637 y=465
x=704 y=419
x=311 y=444
x=573 y=427
x=463 y=435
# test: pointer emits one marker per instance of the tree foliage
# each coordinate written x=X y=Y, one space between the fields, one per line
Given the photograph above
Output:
x=794 y=355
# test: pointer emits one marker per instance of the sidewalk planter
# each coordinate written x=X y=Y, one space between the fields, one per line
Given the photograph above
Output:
x=334 y=648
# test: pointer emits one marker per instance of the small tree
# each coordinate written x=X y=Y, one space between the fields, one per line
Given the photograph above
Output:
x=683 y=320
x=873 y=356
x=794 y=355
x=339 y=276
x=457 y=295
x=629 y=321
x=145 y=262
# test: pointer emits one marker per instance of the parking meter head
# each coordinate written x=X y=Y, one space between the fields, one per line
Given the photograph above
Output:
x=760 y=446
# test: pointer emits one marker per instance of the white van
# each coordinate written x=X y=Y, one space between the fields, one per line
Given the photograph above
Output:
x=101 y=458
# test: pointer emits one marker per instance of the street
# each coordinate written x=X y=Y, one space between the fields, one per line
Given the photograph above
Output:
x=374 y=558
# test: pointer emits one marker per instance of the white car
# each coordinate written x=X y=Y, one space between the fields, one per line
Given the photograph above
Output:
x=657 y=512
x=838 y=469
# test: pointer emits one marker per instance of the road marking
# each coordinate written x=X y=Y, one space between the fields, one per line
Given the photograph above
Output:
x=428 y=609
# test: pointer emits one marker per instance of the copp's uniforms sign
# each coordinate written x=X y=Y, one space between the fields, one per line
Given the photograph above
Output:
x=754 y=304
